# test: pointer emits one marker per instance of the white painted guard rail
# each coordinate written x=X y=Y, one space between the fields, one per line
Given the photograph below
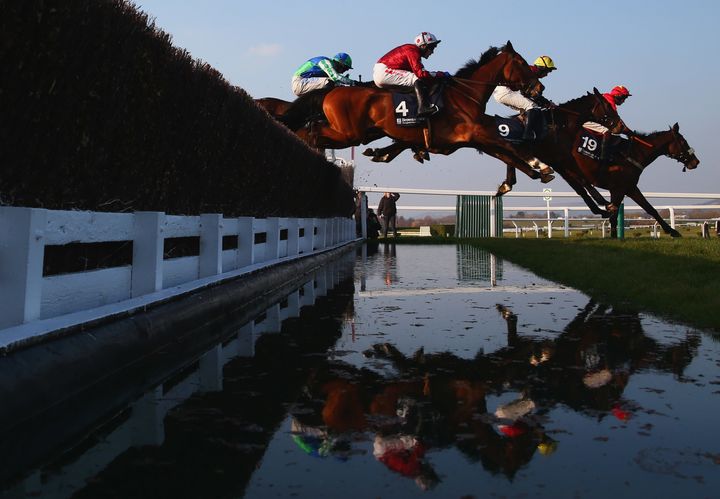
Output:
x=28 y=298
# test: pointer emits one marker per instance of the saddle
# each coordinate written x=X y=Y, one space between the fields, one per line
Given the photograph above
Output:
x=512 y=128
x=405 y=104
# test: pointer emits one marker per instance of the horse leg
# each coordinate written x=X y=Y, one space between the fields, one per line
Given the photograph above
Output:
x=616 y=198
x=638 y=197
x=386 y=154
x=509 y=182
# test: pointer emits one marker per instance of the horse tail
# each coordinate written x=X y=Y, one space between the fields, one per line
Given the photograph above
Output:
x=306 y=108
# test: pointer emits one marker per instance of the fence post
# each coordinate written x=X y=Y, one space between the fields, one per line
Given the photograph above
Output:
x=672 y=217
x=148 y=248
x=293 y=240
x=272 y=229
x=705 y=230
x=567 y=222
x=210 y=244
x=22 y=251
x=246 y=242
x=621 y=221
x=363 y=214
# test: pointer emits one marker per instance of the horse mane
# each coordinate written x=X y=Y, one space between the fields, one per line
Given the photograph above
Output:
x=471 y=65
x=577 y=100
x=304 y=109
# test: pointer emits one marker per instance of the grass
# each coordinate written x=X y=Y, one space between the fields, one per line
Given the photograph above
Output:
x=678 y=279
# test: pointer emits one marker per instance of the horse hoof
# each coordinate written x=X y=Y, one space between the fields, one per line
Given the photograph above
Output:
x=504 y=189
x=426 y=156
x=418 y=157
x=369 y=152
x=611 y=208
x=547 y=178
x=546 y=171
x=674 y=233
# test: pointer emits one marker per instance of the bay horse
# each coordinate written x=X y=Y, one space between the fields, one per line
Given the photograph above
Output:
x=274 y=107
x=564 y=124
x=357 y=115
x=622 y=174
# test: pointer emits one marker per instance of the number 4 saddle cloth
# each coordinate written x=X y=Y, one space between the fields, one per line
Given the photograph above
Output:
x=406 y=106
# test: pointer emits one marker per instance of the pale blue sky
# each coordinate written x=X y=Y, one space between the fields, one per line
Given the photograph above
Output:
x=664 y=51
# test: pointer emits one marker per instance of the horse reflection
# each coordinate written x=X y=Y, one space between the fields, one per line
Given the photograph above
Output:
x=439 y=400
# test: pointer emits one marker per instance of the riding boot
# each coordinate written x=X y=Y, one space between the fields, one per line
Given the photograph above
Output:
x=532 y=120
x=604 y=148
x=424 y=109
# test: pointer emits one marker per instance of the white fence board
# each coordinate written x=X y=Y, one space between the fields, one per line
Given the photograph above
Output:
x=65 y=293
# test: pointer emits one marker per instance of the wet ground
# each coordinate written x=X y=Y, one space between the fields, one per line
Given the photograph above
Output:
x=419 y=370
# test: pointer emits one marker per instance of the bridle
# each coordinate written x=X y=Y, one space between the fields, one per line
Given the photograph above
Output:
x=685 y=155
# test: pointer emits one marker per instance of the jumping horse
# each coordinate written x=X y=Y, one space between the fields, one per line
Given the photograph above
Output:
x=622 y=174
x=358 y=115
x=564 y=123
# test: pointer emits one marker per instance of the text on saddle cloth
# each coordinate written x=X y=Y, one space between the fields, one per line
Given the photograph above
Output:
x=512 y=128
x=406 y=107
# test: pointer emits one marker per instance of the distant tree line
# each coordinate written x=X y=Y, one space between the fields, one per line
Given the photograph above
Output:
x=98 y=110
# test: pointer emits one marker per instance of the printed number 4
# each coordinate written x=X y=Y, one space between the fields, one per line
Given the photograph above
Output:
x=402 y=109
x=504 y=130
x=589 y=144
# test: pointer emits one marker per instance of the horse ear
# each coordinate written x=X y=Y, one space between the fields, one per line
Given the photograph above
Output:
x=509 y=46
x=676 y=127
x=596 y=91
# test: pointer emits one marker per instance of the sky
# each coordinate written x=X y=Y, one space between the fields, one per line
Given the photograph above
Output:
x=666 y=52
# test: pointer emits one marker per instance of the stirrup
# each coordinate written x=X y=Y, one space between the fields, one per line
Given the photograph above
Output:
x=428 y=111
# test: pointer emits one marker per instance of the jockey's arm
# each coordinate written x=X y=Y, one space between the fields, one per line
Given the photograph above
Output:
x=329 y=70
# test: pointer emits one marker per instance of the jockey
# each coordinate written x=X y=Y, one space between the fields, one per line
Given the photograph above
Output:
x=514 y=99
x=321 y=72
x=616 y=97
x=402 y=67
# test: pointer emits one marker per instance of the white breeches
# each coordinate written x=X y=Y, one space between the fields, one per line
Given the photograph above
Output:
x=513 y=99
x=596 y=127
x=383 y=76
x=302 y=85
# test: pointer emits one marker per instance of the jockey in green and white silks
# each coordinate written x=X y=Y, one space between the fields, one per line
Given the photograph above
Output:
x=321 y=72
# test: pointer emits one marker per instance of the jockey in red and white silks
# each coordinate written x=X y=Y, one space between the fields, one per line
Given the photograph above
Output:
x=403 y=67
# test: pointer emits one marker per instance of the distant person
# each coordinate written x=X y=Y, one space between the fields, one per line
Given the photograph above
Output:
x=359 y=197
x=322 y=72
x=403 y=67
x=514 y=99
x=616 y=97
x=387 y=210
x=373 y=225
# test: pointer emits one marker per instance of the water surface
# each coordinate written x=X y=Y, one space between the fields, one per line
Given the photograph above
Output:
x=433 y=370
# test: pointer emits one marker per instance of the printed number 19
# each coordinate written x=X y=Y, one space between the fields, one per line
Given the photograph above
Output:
x=589 y=144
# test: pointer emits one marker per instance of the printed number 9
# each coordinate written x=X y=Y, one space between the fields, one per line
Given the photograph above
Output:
x=503 y=130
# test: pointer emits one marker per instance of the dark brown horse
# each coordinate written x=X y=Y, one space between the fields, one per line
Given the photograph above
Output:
x=274 y=107
x=623 y=172
x=565 y=122
x=360 y=115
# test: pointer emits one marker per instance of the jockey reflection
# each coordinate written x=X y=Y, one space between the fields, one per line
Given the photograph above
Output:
x=439 y=400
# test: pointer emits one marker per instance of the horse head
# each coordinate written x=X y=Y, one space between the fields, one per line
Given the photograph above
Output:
x=603 y=113
x=502 y=66
x=681 y=151
x=517 y=74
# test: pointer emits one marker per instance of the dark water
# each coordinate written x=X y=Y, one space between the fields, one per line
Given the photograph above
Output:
x=431 y=370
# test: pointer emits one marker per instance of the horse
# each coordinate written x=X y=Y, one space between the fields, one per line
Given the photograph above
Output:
x=565 y=122
x=360 y=115
x=622 y=174
x=274 y=107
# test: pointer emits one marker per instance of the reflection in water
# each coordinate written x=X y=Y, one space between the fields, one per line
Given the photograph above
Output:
x=178 y=437
x=437 y=401
x=521 y=388
x=478 y=264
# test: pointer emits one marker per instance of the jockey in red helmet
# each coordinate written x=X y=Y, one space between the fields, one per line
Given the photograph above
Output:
x=402 y=67
x=616 y=97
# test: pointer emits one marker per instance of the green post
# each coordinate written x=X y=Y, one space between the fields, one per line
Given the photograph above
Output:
x=621 y=221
